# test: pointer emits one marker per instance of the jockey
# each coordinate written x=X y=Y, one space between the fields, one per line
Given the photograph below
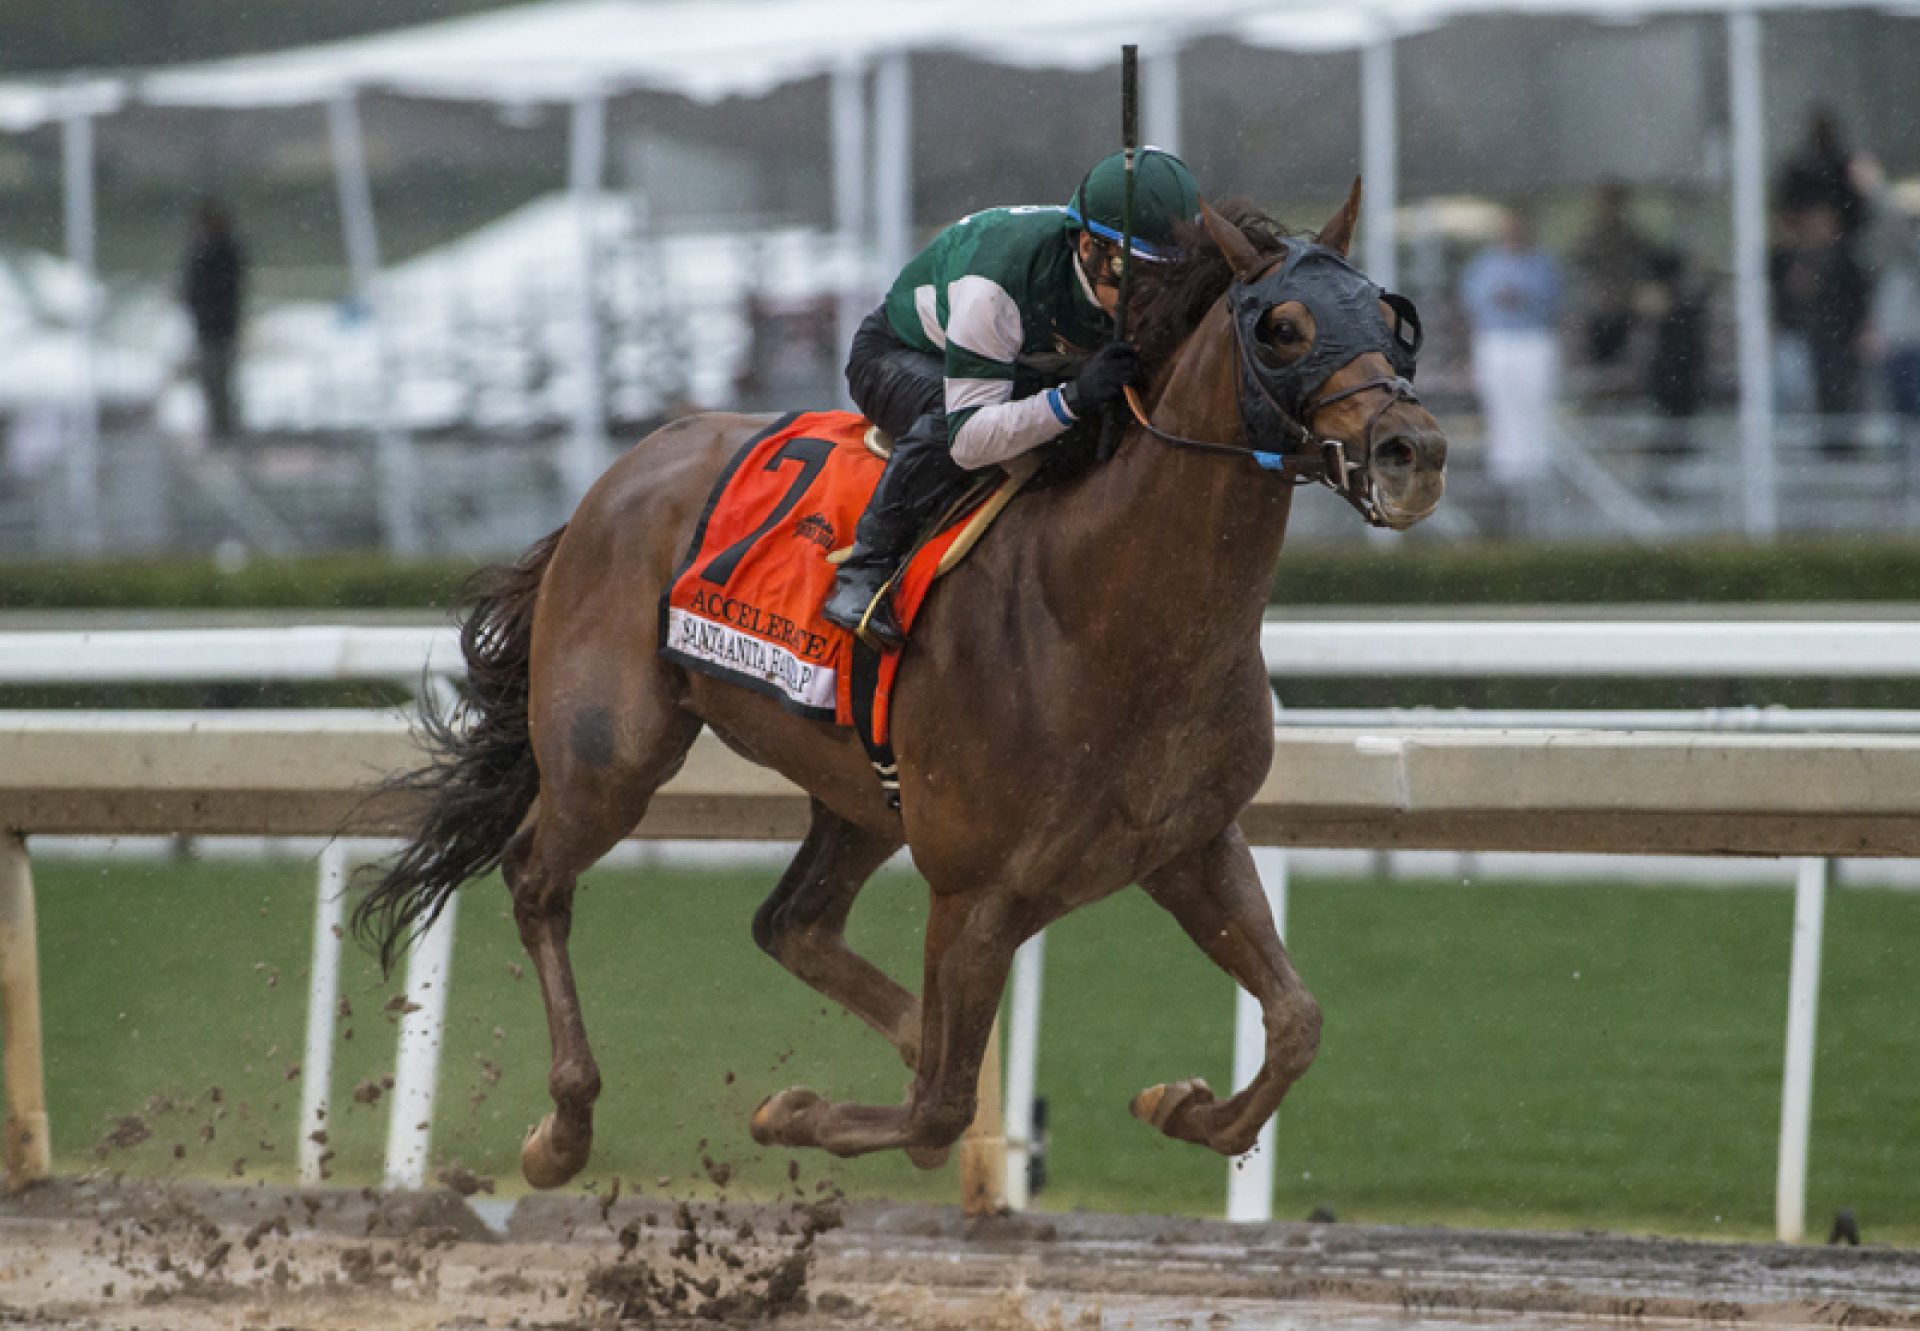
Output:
x=939 y=365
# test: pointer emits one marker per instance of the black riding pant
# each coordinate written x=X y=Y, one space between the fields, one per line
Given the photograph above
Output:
x=903 y=391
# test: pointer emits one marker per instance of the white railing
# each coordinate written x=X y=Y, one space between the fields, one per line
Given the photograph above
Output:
x=1294 y=646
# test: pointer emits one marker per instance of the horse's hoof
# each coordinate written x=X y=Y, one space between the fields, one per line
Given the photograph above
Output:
x=1158 y=1105
x=781 y=1120
x=545 y=1163
x=928 y=1157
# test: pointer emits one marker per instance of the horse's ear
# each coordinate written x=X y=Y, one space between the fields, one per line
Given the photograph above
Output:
x=1337 y=234
x=1244 y=259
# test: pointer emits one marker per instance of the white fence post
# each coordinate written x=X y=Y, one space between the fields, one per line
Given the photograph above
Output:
x=323 y=998
x=1796 y=1092
x=417 y=1071
x=1250 y=1177
x=1023 y=1057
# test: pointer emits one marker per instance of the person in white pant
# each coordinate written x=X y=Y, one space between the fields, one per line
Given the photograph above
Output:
x=1513 y=294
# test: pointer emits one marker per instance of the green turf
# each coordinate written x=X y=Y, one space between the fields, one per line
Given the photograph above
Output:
x=1570 y=1055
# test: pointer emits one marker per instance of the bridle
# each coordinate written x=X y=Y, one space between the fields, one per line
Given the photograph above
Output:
x=1303 y=458
x=1314 y=460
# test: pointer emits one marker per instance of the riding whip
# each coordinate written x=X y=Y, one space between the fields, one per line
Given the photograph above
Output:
x=1113 y=424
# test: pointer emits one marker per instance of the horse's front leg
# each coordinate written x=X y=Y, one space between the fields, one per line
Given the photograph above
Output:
x=969 y=950
x=1215 y=895
x=803 y=927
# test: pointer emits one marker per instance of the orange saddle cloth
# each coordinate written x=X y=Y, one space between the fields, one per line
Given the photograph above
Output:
x=745 y=605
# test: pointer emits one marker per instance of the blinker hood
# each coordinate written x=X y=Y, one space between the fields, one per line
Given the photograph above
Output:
x=1345 y=305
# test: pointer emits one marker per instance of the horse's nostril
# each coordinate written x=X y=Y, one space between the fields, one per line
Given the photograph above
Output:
x=1395 y=452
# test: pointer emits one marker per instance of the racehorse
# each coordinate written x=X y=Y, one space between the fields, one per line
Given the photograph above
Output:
x=1084 y=704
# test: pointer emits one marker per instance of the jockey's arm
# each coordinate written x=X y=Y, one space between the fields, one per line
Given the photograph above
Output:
x=985 y=423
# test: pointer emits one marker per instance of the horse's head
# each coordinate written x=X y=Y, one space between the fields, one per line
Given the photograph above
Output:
x=1326 y=362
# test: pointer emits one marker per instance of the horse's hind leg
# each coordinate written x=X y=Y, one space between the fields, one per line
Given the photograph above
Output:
x=1214 y=894
x=596 y=777
x=802 y=926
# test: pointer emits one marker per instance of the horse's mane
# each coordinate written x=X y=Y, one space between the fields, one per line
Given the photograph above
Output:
x=1169 y=299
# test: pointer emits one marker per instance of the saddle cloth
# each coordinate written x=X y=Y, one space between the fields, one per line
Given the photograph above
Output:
x=745 y=605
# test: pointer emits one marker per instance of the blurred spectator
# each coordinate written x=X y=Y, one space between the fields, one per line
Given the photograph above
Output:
x=1675 y=303
x=791 y=354
x=1821 y=298
x=1512 y=293
x=213 y=285
x=1613 y=259
x=1821 y=175
x=1893 y=248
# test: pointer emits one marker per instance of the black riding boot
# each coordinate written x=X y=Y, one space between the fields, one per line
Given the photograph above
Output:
x=920 y=479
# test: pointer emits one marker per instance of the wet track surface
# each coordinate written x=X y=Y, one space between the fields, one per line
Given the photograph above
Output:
x=98 y=1256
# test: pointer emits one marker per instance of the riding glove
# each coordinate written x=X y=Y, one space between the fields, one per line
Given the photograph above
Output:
x=1111 y=369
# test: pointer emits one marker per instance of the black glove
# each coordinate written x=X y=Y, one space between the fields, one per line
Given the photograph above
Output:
x=1112 y=368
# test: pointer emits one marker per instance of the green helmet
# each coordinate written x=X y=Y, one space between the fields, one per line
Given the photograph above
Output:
x=1164 y=195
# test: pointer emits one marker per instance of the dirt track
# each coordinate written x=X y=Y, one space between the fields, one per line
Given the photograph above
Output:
x=94 y=1256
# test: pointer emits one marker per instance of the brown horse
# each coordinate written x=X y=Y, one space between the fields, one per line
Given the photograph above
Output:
x=1084 y=706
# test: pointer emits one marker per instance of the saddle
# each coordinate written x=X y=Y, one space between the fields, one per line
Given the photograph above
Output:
x=982 y=503
x=744 y=604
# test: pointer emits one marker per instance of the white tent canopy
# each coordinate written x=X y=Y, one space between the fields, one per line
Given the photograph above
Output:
x=584 y=51
x=711 y=49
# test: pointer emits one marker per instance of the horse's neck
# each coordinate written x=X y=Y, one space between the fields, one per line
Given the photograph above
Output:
x=1175 y=535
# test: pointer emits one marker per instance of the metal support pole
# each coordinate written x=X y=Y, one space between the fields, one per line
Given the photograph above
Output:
x=1160 y=98
x=1796 y=1092
x=417 y=1071
x=84 y=533
x=586 y=451
x=1753 y=323
x=1379 y=162
x=323 y=998
x=1023 y=1058
x=397 y=479
x=29 y=1149
x=1250 y=1177
x=848 y=129
x=983 y=1147
x=893 y=163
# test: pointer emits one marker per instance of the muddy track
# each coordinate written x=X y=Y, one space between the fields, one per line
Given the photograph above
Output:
x=94 y=1255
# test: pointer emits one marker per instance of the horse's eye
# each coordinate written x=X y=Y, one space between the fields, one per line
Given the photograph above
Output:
x=1285 y=333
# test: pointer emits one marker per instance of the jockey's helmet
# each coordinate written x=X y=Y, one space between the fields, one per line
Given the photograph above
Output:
x=1164 y=195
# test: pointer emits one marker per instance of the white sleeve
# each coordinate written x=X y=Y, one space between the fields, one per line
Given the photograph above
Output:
x=995 y=433
x=984 y=334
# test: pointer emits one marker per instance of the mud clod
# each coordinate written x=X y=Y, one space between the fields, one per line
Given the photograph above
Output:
x=464 y=1181
x=127 y=1132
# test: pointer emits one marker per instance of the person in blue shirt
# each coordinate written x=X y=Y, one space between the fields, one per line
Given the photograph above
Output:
x=1513 y=293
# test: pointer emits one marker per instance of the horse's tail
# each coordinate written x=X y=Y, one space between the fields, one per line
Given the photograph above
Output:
x=481 y=777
